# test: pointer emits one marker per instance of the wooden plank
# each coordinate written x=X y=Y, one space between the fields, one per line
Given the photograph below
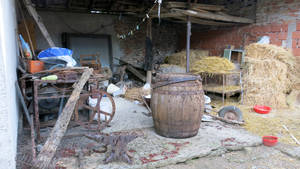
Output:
x=204 y=22
x=195 y=5
x=213 y=16
x=168 y=15
x=39 y=21
x=57 y=133
x=136 y=73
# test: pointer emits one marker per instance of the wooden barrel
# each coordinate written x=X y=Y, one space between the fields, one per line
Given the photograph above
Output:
x=177 y=105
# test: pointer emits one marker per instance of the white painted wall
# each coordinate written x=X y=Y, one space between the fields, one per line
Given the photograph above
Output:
x=8 y=100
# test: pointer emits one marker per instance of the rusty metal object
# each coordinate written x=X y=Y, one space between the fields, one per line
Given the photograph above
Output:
x=118 y=142
x=83 y=103
x=64 y=87
x=67 y=75
x=36 y=108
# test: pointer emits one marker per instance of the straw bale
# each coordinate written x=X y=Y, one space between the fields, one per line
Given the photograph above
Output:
x=293 y=99
x=265 y=82
x=267 y=51
x=180 y=57
x=212 y=64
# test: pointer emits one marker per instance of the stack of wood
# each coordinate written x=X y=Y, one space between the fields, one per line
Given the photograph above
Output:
x=203 y=14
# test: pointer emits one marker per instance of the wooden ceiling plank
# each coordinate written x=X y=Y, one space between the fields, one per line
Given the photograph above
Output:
x=205 y=22
x=195 y=5
x=213 y=16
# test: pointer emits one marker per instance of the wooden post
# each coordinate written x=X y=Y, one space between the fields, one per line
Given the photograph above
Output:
x=39 y=21
x=57 y=133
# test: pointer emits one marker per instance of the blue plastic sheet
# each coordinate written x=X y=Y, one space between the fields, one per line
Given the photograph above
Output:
x=57 y=53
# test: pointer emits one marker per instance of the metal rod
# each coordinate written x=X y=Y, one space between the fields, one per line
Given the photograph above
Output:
x=223 y=78
x=149 y=34
x=23 y=103
x=33 y=140
x=188 y=39
x=293 y=137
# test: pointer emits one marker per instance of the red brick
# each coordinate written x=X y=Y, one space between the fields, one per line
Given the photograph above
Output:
x=275 y=28
x=266 y=28
x=293 y=15
x=273 y=36
x=294 y=44
x=282 y=36
x=276 y=42
x=296 y=51
x=296 y=35
x=298 y=26
x=289 y=1
x=284 y=27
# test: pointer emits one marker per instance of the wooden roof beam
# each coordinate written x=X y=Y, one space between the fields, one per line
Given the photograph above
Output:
x=195 y=5
x=204 y=22
x=213 y=16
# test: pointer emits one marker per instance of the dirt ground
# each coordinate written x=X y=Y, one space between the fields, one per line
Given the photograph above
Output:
x=260 y=157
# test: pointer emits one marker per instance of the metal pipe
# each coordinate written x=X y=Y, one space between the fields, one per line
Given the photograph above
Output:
x=188 y=38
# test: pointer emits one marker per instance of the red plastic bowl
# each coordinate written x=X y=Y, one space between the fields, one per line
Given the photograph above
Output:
x=262 y=109
x=270 y=140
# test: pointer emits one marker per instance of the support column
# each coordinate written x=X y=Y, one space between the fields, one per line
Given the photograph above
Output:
x=188 y=39
x=149 y=56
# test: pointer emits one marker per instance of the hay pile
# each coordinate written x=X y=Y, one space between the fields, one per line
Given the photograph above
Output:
x=180 y=57
x=262 y=126
x=269 y=124
x=266 y=51
x=268 y=76
x=212 y=64
x=219 y=89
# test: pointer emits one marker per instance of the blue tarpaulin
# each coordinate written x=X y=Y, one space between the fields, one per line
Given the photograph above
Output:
x=57 y=53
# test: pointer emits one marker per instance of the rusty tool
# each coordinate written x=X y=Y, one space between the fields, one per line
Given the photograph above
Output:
x=95 y=111
x=118 y=141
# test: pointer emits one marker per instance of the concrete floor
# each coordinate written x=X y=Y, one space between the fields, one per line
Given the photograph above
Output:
x=260 y=157
x=217 y=145
x=152 y=150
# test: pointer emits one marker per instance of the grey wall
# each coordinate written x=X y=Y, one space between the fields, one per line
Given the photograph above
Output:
x=8 y=103
x=59 y=22
x=132 y=49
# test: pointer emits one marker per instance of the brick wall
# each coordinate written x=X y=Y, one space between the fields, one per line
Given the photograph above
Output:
x=277 y=19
